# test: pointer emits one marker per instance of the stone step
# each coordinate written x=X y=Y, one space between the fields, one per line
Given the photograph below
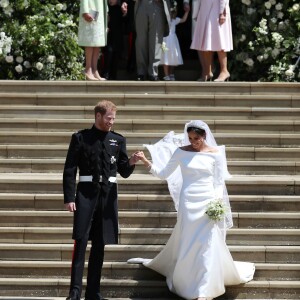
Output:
x=57 y=287
x=147 y=184
x=21 y=165
x=152 y=112
x=235 y=236
x=127 y=87
x=121 y=253
x=148 y=202
x=232 y=153
x=123 y=270
x=140 y=219
x=150 y=126
x=155 y=95
x=147 y=236
x=230 y=139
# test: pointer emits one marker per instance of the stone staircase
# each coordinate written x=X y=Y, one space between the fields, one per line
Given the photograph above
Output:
x=258 y=122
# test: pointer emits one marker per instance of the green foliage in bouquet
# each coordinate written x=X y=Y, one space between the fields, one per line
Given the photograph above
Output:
x=266 y=37
x=38 y=40
x=216 y=210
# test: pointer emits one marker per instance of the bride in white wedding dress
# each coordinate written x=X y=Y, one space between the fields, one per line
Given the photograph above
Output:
x=196 y=261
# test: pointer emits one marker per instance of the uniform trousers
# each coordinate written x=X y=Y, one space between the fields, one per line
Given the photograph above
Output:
x=150 y=22
x=95 y=259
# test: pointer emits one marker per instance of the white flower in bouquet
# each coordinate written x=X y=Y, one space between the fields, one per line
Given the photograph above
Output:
x=249 y=62
x=8 y=10
x=25 y=3
x=277 y=38
x=216 y=210
x=277 y=69
x=260 y=58
x=275 y=52
x=281 y=25
x=5 y=43
x=4 y=3
x=243 y=38
x=268 y=5
x=296 y=7
x=273 y=2
x=27 y=64
x=263 y=28
x=39 y=66
x=280 y=15
x=70 y=23
x=9 y=58
x=290 y=71
x=19 y=59
x=59 y=6
x=19 y=68
x=278 y=6
x=246 y=2
x=51 y=59
x=251 y=11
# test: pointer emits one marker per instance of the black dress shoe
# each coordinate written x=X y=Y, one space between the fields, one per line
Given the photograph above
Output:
x=74 y=295
x=140 y=78
x=153 y=78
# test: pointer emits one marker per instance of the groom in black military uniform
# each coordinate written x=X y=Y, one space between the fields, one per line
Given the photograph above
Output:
x=99 y=154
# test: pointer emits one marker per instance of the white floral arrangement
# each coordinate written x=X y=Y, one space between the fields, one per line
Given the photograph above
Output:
x=216 y=210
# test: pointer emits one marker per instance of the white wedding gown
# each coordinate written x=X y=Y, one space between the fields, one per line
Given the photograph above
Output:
x=196 y=260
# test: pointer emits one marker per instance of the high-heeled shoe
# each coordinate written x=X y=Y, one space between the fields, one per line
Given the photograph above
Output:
x=222 y=79
x=205 y=78
x=90 y=77
x=98 y=77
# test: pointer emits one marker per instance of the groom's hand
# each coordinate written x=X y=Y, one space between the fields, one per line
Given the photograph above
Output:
x=135 y=157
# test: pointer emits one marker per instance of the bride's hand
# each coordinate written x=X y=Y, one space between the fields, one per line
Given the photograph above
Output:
x=140 y=155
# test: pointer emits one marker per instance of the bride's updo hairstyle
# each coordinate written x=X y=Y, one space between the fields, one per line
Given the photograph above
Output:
x=197 y=130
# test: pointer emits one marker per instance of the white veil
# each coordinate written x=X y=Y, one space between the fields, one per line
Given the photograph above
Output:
x=162 y=151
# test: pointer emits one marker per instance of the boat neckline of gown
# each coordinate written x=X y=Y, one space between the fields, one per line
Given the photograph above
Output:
x=199 y=151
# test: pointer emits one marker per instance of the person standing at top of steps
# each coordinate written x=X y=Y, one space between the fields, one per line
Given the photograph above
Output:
x=99 y=154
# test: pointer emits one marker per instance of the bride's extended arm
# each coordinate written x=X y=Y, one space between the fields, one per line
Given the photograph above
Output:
x=163 y=173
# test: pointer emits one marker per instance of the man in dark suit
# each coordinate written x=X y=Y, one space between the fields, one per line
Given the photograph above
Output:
x=99 y=154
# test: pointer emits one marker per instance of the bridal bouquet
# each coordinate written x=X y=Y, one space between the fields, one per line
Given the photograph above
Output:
x=216 y=210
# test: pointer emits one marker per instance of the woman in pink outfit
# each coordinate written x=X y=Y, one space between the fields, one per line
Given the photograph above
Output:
x=212 y=33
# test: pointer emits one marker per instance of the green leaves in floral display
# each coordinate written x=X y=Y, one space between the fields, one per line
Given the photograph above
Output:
x=43 y=36
x=216 y=210
x=266 y=40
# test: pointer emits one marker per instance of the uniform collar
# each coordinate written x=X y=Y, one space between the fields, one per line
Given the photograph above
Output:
x=99 y=132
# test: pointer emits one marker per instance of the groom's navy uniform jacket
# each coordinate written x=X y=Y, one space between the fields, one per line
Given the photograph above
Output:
x=99 y=155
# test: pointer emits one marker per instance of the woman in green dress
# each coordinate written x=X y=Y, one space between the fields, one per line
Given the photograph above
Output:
x=92 y=34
